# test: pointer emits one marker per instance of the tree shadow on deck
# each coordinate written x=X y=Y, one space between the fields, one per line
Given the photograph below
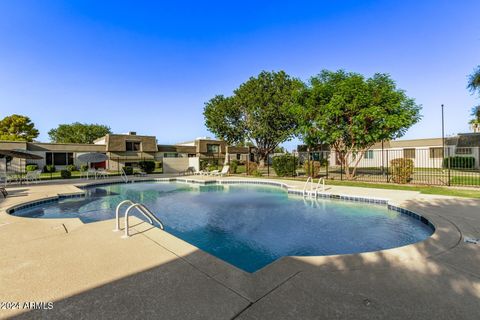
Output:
x=432 y=280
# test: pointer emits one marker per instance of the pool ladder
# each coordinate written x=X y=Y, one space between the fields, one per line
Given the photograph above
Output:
x=140 y=208
x=313 y=192
x=124 y=176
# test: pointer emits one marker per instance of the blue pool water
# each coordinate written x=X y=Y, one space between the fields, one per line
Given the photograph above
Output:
x=249 y=226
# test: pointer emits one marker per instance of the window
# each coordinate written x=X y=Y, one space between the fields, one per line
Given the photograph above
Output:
x=463 y=151
x=409 y=153
x=239 y=156
x=213 y=148
x=436 y=152
x=132 y=145
x=369 y=154
x=170 y=155
x=59 y=158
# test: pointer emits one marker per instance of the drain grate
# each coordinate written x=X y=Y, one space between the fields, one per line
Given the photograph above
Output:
x=471 y=240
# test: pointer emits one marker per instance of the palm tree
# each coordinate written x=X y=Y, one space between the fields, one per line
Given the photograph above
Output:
x=474 y=80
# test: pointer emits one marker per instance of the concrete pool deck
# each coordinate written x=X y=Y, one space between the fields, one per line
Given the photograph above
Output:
x=88 y=271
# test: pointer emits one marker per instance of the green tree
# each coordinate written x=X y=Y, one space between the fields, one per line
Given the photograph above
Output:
x=17 y=128
x=475 y=122
x=78 y=133
x=474 y=80
x=474 y=86
x=351 y=113
x=262 y=111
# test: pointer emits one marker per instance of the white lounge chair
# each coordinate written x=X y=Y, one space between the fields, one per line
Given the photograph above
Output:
x=102 y=173
x=220 y=173
x=91 y=172
x=32 y=176
x=200 y=173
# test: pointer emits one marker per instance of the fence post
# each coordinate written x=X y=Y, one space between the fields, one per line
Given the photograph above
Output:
x=386 y=154
x=448 y=157
x=326 y=165
x=341 y=169
x=294 y=165
x=268 y=165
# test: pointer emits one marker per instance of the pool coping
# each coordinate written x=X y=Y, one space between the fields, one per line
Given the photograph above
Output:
x=288 y=188
x=252 y=286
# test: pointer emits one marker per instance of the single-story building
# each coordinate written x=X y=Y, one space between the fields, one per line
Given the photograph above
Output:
x=125 y=150
x=425 y=153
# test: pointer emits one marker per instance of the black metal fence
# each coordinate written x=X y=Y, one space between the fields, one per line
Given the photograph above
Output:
x=422 y=166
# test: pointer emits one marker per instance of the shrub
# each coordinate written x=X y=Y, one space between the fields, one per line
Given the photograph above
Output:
x=312 y=168
x=31 y=167
x=65 y=174
x=147 y=165
x=84 y=167
x=459 y=162
x=210 y=164
x=257 y=173
x=128 y=170
x=233 y=166
x=252 y=167
x=71 y=168
x=285 y=165
x=49 y=168
x=324 y=162
x=401 y=170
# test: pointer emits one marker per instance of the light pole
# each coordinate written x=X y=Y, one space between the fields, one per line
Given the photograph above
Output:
x=443 y=134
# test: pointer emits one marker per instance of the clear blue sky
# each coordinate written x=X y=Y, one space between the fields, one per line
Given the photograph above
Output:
x=149 y=66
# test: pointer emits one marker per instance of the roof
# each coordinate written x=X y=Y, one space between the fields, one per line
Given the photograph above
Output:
x=468 y=140
x=431 y=142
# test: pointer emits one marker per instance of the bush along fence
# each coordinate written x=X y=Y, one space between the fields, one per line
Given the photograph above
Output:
x=422 y=166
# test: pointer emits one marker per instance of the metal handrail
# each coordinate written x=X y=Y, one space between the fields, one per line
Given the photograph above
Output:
x=143 y=210
x=152 y=216
x=124 y=176
x=117 y=214
x=322 y=180
x=305 y=185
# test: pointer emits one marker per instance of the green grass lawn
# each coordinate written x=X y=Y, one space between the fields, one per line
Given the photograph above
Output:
x=465 y=180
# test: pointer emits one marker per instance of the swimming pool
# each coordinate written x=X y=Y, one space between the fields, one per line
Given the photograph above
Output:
x=249 y=226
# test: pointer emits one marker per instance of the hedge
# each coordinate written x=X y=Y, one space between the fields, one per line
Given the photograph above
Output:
x=49 y=168
x=147 y=165
x=65 y=174
x=128 y=170
x=285 y=165
x=459 y=162
x=31 y=167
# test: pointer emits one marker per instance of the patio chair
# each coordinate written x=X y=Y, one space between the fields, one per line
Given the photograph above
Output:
x=32 y=176
x=91 y=172
x=189 y=170
x=4 y=192
x=200 y=173
x=140 y=173
x=220 y=173
x=212 y=173
x=102 y=174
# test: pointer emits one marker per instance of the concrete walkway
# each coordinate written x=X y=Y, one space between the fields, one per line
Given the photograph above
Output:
x=90 y=272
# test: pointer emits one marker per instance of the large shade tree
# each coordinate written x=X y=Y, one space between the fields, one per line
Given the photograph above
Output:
x=262 y=111
x=351 y=113
x=78 y=133
x=17 y=128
